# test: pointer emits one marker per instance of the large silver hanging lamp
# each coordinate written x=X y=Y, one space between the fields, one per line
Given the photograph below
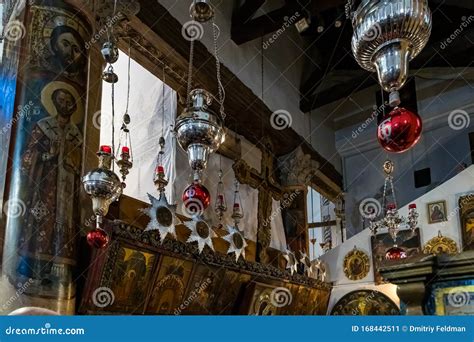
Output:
x=387 y=35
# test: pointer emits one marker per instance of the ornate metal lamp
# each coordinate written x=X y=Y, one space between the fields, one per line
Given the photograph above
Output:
x=387 y=35
x=110 y=53
x=199 y=130
x=392 y=221
x=104 y=187
x=201 y=10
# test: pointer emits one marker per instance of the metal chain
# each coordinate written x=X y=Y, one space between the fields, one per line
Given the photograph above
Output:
x=190 y=71
x=348 y=9
x=220 y=87
x=128 y=79
x=113 y=119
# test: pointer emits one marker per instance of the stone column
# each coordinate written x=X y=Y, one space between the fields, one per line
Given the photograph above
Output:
x=41 y=205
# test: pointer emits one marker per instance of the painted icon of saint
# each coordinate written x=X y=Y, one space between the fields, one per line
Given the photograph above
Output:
x=68 y=50
x=51 y=163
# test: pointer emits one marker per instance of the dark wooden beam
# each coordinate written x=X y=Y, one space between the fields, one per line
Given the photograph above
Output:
x=265 y=24
x=245 y=12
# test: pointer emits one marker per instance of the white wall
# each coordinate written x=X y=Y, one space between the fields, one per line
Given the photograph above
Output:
x=440 y=148
x=450 y=191
x=283 y=67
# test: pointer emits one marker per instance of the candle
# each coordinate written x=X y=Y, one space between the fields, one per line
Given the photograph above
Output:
x=160 y=169
x=125 y=150
x=106 y=149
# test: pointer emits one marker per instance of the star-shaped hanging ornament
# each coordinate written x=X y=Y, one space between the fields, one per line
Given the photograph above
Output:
x=236 y=241
x=201 y=233
x=319 y=269
x=291 y=262
x=162 y=216
x=304 y=260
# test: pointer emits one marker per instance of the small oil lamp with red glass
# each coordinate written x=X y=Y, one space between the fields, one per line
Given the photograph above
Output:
x=392 y=222
x=237 y=210
x=221 y=204
x=124 y=151
x=104 y=187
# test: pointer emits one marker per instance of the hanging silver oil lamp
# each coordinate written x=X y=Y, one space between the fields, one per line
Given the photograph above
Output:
x=199 y=130
x=201 y=10
x=387 y=35
x=110 y=53
x=104 y=187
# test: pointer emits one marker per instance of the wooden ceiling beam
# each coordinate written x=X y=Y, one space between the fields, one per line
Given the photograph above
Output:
x=245 y=12
x=264 y=24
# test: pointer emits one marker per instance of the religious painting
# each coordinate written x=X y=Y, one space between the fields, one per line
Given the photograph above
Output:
x=47 y=160
x=437 y=212
x=356 y=264
x=303 y=297
x=466 y=213
x=365 y=303
x=455 y=301
x=264 y=300
x=408 y=240
x=230 y=292
x=440 y=245
x=170 y=286
x=318 y=302
x=60 y=43
x=131 y=279
x=202 y=291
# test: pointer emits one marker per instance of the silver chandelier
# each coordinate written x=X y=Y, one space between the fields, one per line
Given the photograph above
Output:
x=387 y=35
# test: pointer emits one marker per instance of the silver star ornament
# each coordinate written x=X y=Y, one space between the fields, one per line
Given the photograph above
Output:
x=162 y=216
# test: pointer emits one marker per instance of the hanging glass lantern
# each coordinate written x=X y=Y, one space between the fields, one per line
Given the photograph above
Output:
x=221 y=204
x=104 y=187
x=237 y=210
x=124 y=151
x=392 y=221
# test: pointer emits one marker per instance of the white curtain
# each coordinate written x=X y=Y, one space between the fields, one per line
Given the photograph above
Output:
x=146 y=125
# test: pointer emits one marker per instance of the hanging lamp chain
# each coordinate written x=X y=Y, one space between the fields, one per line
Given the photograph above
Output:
x=190 y=72
x=220 y=87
